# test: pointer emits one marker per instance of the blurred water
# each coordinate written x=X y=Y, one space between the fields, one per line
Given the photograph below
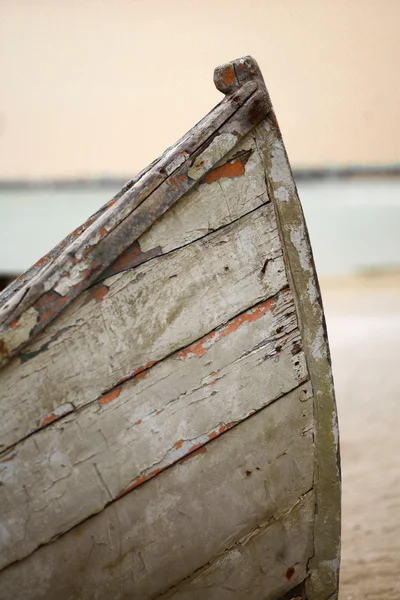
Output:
x=354 y=224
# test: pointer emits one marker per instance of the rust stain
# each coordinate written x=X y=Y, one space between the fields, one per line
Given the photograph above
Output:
x=290 y=572
x=97 y=292
x=212 y=435
x=228 y=75
x=178 y=444
x=111 y=203
x=197 y=452
x=138 y=422
x=228 y=170
x=199 y=348
x=110 y=396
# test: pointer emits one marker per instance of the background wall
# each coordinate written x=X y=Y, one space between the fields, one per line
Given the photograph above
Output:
x=93 y=87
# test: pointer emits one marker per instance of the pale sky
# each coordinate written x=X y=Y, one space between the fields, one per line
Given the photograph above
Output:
x=101 y=87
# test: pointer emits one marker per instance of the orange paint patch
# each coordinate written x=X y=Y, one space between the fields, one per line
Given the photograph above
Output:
x=98 y=292
x=143 y=368
x=176 y=182
x=228 y=75
x=110 y=396
x=48 y=419
x=139 y=481
x=41 y=261
x=201 y=450
x=138 y=373
x=200 y=348
x=8 y=458
x=49 y=304
x=14 y=323
x=229 y=170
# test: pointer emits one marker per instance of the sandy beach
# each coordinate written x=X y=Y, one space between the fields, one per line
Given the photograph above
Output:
x=363 y=319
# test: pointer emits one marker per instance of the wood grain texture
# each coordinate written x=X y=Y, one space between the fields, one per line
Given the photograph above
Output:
x=171 y=431
x=74 y=467
x=257 y=565
x=147 y=313
x=154 y=537
x=75 y=268
x=324 y=566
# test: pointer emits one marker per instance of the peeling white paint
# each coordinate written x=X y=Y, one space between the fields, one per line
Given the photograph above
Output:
x=19 y=334
x=318 y=348
x=282 y=194
x=77 y=274
x=299 y=241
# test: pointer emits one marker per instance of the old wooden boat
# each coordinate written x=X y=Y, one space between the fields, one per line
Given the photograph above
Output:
x=168 y=422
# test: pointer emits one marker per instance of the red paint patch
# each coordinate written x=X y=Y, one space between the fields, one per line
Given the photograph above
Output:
x=110 y=396
x=228 y=170
x=97 y=292
x=200 y=348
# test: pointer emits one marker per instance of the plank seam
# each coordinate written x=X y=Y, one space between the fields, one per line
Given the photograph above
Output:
x=164 y=469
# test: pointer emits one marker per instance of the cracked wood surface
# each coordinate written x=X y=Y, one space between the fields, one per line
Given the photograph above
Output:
x=153 y=538
x=160 y=437
x=70 y=272
x=148 y=313
x=74 y=467
x=256 y=566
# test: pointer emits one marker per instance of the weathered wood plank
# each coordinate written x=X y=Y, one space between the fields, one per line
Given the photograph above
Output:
x=140 y=317
x=324 y=566
x=90 y=254
x=158 y=534
x=265 y=564
x=233 y=188
x=73 y=468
